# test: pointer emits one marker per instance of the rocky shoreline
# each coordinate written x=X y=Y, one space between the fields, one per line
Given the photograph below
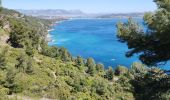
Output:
x=48 y=37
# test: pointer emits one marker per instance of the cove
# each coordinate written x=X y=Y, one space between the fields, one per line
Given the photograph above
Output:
x=94 y=38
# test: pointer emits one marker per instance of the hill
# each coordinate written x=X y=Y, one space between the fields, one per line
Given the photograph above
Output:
x=30 y=69
x=122 y=15
x=53 y=13
x=60 y=13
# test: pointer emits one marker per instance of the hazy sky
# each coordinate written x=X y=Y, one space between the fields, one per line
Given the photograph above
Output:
x=90 y=6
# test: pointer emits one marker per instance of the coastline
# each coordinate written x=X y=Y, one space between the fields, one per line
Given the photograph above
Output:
x=48 y=36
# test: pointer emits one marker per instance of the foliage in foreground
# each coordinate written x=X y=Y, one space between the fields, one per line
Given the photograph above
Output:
x=153 y=44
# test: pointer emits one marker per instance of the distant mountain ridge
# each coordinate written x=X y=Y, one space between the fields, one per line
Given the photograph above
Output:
x=122 y=15
x=52 y=12
x=60 y=13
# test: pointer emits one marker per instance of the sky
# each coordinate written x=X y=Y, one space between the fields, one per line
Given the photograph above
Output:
x=88 y=6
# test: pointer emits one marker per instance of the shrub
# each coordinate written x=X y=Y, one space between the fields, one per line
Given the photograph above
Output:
x=99 y=87
x=50 y=51
x=121 y=70
x=109 y=73
x=138 y=68
x=100 y=67
x=91 y=66
x=79 y=61
x=10 y=82
x=22 y=63
x=3 y=62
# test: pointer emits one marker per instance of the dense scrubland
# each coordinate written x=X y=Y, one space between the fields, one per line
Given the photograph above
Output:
x=29 y=68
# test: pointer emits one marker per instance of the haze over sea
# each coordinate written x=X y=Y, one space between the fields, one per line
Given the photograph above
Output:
x=93 y=38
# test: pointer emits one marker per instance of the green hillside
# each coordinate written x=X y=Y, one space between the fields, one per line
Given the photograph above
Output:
x=30 y=69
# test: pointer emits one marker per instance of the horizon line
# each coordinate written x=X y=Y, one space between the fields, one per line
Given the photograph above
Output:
x=87 y=12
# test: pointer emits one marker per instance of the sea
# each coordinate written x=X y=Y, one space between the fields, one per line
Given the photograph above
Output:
x=94 y=38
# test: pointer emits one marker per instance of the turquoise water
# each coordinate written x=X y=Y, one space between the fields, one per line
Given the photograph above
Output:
x=93 y=38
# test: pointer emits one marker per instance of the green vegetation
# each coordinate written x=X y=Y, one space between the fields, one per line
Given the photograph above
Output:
x=91 y=66
x=109 y=73
x=43 y=76
x=29 y=68
x=153 y=44
x=153 y=47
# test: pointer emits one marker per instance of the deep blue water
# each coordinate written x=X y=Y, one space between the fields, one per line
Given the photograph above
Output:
x=93 y=38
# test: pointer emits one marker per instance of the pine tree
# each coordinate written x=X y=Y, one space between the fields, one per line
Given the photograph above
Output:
x=2 y=61
x=110 y=73
x=18 y=35
x=29 y=69
x=121 y=70
x=79 y=61
x=29 y=50
x=153 y=44
x=22 y=63
x=3 y=58
x=65 y=55
x=99 y=67
x=91 y=66
x=10 y=76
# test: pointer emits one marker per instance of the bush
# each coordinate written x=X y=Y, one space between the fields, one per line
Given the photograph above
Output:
x=3 y=58
x=109 y=74
x=22 y=63
x=99 y=87
x=29 y=50
x=79 y=61
x=17 y=35
x=3 y=91
x=138 y=68
x=100 y=67
x=152 y=85
x=29 y=69
x=91 y=66
x=121 y=70
x=50 y=51
x=64 y=55
x=10 y=82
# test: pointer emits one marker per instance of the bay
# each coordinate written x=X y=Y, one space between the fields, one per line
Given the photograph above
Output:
x=93 y=38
